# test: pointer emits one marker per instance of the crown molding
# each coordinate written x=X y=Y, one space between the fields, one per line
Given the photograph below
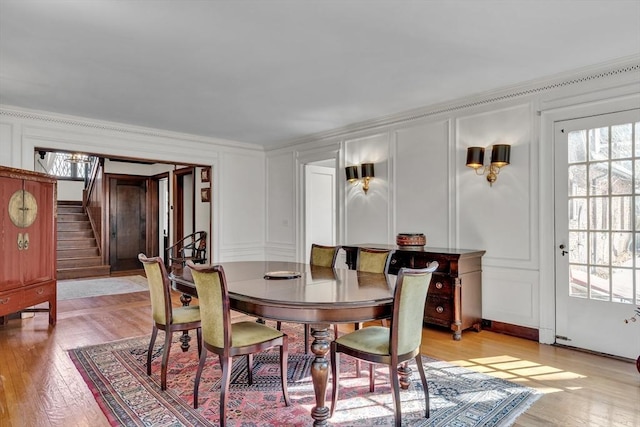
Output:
x=623 y=67
x=100 y=125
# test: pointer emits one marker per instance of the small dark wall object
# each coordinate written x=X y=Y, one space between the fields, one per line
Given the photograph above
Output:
x=205 y=194
x=204 y=175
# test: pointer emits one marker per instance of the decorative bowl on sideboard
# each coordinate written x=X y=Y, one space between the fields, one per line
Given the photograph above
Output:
x=411 y=239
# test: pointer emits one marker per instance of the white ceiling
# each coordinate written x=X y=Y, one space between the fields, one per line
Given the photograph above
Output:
x=272 y=71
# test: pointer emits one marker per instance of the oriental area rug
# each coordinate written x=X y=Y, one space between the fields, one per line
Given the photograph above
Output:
x=116 y=375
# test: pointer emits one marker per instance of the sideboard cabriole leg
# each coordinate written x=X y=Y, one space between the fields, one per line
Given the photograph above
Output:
x=320 y=373
x=185 y=338
x=404 y=375
x=456 y=327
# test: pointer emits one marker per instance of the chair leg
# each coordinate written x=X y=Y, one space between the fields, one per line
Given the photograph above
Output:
x=250 y=368
x=357 y=326
x=224 y=389
x=278 y=325
x=335 y=373
x=165 y=359
x=425 y=386
x=284 y=362
x=154 y=335
x=395 y=393
x=307 y=331
x=199 y=338
x=372 y=384
x=196 y=383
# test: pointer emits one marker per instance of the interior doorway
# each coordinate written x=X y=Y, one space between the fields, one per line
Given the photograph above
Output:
x=320 y=204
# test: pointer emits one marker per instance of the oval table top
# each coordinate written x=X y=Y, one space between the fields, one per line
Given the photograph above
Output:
x=318 y=295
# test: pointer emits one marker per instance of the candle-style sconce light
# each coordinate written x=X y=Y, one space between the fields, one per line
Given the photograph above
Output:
x=500 y=157
x=367 y=172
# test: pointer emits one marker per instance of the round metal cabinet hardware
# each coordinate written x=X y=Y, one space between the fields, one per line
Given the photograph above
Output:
x=439 y=309
x=23 y=208
x=439 y=285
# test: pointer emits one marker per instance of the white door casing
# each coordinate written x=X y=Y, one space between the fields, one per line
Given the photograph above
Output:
x=597 y=232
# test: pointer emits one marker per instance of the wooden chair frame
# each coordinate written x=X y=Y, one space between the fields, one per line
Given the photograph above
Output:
x=169 y=328
x=227 y=352
x=393 y=359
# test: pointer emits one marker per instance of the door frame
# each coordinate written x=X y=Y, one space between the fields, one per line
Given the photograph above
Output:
x=327 y=153
x=547 y=248
x=178 y=201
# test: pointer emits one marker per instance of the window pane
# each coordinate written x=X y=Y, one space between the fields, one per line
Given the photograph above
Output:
x=578 y=214
x=622 y=249
x=621 y=176
x=578 y=247
x=622 y=217
x=599 y=213
x=578 y=281
x=577 y=146
x=599 y=283
x=621 y=147
x=622 y=285
x=578 y=180
x=599 y=244
x=598 y=143
x=599 y=178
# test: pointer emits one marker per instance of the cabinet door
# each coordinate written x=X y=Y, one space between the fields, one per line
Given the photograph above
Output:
x=10 y=276
x=39 y=256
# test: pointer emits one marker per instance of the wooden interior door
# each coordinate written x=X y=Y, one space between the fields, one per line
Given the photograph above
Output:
x=127 y=221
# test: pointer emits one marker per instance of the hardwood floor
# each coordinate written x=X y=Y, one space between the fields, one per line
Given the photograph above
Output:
x=39 y=386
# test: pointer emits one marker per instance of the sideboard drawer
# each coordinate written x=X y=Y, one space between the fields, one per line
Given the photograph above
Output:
x=10 y=302
x=438 y=311
x=440 y=287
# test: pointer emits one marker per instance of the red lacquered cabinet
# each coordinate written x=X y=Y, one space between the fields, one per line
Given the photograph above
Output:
x=27 y=241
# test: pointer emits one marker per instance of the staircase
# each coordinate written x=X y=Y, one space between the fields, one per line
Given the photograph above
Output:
x=78 y=254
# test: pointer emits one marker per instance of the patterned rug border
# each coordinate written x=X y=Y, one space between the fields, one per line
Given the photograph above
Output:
x=169 y=408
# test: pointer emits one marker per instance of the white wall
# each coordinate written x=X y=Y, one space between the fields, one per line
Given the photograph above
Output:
x=238 y=222
x=422 y=184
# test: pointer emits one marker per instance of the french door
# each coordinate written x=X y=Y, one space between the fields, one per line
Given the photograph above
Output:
x=597 y=205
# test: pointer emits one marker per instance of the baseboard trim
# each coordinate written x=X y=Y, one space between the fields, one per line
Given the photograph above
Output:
x=509 y=329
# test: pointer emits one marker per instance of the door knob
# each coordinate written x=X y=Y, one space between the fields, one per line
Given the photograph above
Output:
x=562 y=249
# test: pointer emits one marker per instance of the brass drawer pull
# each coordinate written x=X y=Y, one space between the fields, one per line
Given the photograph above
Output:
x=40 y=291
x=439 y=309
x=439 y=285
x=20 y=242
x=5 y=300
x=26 y=241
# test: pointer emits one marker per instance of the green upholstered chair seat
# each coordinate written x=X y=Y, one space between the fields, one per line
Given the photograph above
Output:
x=186 y=314
x=249 y=333
x=374 y=340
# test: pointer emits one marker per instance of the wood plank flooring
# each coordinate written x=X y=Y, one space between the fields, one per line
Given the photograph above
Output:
x=39 y=386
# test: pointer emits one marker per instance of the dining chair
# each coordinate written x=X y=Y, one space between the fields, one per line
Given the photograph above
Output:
x=227 y=339
x=390 y=346
x=373 y=260
x=166 y=317
x=321 y=256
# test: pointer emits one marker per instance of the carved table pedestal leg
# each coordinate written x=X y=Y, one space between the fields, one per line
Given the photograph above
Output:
x=404 y=375
x=185 y=338
x=320 y=373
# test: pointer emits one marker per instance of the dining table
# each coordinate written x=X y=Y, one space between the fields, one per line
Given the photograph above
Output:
x=302 y=293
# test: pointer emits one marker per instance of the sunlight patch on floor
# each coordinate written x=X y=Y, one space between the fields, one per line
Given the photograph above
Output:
x=522 y=371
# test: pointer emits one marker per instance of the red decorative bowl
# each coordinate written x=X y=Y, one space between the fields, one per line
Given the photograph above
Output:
x=411 y=239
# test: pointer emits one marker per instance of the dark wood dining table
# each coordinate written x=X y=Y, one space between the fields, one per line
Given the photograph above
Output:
x=318 y=296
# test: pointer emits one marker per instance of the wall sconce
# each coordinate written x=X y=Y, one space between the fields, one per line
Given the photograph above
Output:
x=367 y=172
x=500 y=157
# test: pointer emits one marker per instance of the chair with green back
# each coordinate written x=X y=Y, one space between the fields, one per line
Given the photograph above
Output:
x=227 y=339
x=391 y=346
x=321 y=256
x=373 y=260
x=166 y=317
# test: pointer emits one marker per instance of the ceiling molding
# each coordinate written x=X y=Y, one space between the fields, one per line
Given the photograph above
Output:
x=614 y=69
x=84 y=123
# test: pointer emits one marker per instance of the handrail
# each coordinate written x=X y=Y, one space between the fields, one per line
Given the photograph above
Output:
x=192 y=247
x=91 y=182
